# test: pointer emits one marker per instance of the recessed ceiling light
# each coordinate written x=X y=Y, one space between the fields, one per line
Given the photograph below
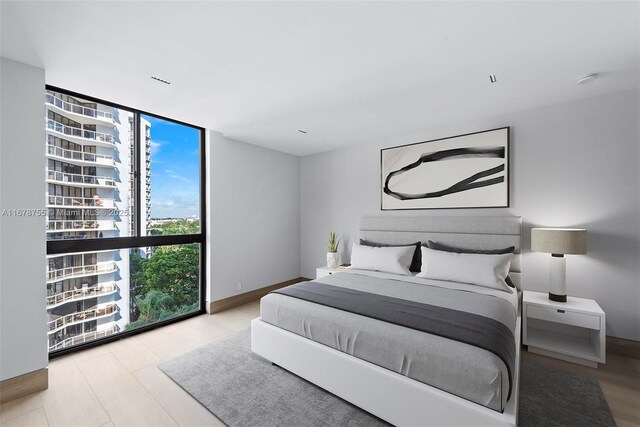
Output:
x=587 y=78
x=492 y=78
x=167 y=82
x=302 y=131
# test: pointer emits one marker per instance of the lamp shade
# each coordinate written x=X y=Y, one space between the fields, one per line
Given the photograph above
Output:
x=559 y=240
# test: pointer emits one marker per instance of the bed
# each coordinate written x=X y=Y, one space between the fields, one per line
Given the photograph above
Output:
x=403 y=375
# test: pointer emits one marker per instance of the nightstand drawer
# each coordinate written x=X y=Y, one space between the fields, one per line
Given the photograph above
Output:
x=326 y=271
x=559 y=315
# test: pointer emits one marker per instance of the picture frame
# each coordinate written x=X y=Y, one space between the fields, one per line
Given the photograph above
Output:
x=465 y=171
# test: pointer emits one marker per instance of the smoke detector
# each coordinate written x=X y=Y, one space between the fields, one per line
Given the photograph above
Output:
x=587 y=78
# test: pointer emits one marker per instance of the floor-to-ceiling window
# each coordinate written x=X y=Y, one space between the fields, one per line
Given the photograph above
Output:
x=125 y=220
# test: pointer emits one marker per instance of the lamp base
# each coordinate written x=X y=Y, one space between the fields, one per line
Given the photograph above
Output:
x=558 y=278
x=559 y=298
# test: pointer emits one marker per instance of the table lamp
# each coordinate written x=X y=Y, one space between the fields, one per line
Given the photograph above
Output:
x=558 y=242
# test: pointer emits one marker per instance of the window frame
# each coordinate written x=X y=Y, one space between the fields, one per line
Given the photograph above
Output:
x=62 y=247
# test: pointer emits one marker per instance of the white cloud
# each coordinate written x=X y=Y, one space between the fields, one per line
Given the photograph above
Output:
x=155 y=147
x=174 y=175
x=175 y=206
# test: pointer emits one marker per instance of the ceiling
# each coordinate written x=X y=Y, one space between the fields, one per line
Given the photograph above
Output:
x=344 y=72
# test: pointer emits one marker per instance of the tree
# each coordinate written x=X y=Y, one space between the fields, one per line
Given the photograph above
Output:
x=166 y=284
x=174 y=270
x=157 y=306
x=136 y=283
x=179 y=226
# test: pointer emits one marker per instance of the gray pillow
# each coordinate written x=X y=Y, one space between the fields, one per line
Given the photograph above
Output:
x=443 y=247
x=416 y=261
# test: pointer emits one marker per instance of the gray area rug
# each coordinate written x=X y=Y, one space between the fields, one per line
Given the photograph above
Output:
x=552 y=397
x=243 y=389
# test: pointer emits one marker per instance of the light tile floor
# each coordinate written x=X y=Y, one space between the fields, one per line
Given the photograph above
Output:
x=119 y=384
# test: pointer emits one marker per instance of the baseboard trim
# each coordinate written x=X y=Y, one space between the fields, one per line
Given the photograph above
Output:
x=23 y=385
x=236 y=300
x=623 y=347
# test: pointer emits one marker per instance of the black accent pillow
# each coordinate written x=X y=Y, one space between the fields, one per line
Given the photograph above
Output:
x=443 y=247
x=446 y=248
x=416 y=262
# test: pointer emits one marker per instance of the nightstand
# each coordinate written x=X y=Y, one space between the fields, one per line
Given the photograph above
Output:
x=573 y=331
x=327 y=271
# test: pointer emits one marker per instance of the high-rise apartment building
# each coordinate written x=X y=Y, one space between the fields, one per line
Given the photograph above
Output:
x=89 y=165
x=145 y=169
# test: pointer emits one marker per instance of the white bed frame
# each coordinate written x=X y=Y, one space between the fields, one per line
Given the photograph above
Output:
x=393 y=397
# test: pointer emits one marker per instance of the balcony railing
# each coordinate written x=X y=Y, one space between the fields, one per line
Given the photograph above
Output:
x=80 y=294
x=89 y=336
x=82 y=316
x=79 y=234
x=77 y=225
x=80 y=133
x=98 y=159
x=76 y=178
x=81 y=270
x=79 y=202
x=77 y=109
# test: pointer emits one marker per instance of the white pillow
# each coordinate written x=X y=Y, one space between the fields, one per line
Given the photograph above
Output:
x=390 y=259
x=478 y=269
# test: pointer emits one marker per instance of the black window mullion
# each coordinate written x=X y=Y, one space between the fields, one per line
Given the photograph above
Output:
x=55 y=247
x=137 y=174
x=203 y=221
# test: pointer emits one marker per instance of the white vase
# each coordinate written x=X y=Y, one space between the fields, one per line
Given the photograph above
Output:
x=333 y=259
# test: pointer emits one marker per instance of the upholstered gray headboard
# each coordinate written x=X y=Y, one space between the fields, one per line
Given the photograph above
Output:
x=477 y=232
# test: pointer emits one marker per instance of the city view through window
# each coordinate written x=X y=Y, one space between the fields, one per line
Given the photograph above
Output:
x=114 y=174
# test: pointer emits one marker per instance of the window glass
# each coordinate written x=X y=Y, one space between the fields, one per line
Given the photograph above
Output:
x=88 y=150
x=170 y=184
x=93 y=295
x=113 y=174
x=165 y=283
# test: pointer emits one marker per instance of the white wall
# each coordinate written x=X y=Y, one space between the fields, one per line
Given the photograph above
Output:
x=23 y=336
x=253 y=217
x=573 y=164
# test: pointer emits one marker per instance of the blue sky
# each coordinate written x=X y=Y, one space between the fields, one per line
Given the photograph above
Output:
x=175 y=174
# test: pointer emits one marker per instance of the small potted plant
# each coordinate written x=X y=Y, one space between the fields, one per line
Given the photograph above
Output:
x=333 y=258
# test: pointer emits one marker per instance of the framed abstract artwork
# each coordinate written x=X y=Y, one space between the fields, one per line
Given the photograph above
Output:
x=464 y=171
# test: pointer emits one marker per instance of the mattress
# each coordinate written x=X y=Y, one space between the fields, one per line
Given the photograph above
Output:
x=455 y=367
